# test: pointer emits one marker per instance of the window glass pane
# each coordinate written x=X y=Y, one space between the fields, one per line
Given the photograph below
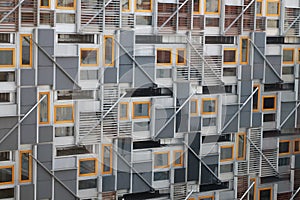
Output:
x=273 y=8
x=123 y=111
x=64 y=131
x=272 y=23
x=88 y=74
x=107 y=159
x=212 y=6
x=178 y=158
x=163 y=57
x=4 y=156
x=6 y=175
x=7 y=193
x=45 y=3
x=297 y=146
x=212 y=22
x=180 y=56
x=164 y=73
x=255 y=98
x=67 y=151
x=125 y=5
x=7 y=76
x=141 y=109
x=241 y=145
x=196 y=6
x=65 y=18
x=258 y=7
x=226 y=168
x=265 y=194
x=209 y=106
x=194 y=106
x=269 y=102
x=229 y=56
x=252 y=190
x=87 y=167
x=26 y=50
x=141 y=126
x=288 y=70
x=88 y=57
x=288 y=55
x=209 y=121
x=25 y=163
x=87 y=184
x=143 y=20
x=43 y=108
x=65 y=3
x=244 y=50
x=143 y=5
x=229 y=71
x=283 y=161
x=161 y=160
x=6 y=57
x=64 y=113
x=108 y=50
x=226 y=153
x=4 y=97
x=158 y=176
x=284 y=147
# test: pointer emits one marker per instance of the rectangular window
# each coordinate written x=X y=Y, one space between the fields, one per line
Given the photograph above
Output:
x=284 y=161
x=258 y=7
x=143 y=20
x=5 y=38
x=211 y=121
x=273 y=23
x=244 y=51
x=4 y=97
x=206 y=198
x=63 y=114
x=212 y=22
x=241 y=146
x=230 y=55
x=209 y=106
x=64 y=131
x=141 y=126
x=107 y=159
x=269 y=103
x=288 y=70
x=284 y=147
x=108 y=50
x=270 y=117
x=164 y=73
x=212 y=6
x=7 y=175
x=299 y=55
x=125 y=5
x=255 y=98
x=65 y=18
x=273 y=8
x=66 y=4
x=5 y=156
x=265 y=194
x=88 y=74
x=226 y=153
x=164 y=56
x=161 y=159
x=297 y=146
x=160 y=176
x=143 y=5
x=196 y=9
x=178 y=158
x=76 y=38
x=194 y=107
x=7 y=57
x=228 y=168
x=7 y=193
x=7 y=76
x=89 y=57
x=141 y=110
x=88 y=167
x=75 y=150
x=124 y=111
x=229 y=71
x=25 y=174
x=288 y=56
x=87 y=184
x=44 y=108
x=45 y=4
x=26 y=50
x=180 y=57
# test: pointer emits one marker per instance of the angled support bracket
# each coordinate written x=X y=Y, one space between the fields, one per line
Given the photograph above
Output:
x=249 y=188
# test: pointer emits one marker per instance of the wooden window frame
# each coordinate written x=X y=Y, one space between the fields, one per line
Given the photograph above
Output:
x=293 y=58
x=163 y=166
x=48 y=99
x=12 y=174
x=241 y=50
x=261 y=8
x=110 y=161
x=145 y=11
x=63 y=121
x=97 y=57
x=197 y=108
x=298 y=61
x=236 y=56
x=13 y=58
x=285 y=153
x=30 y=166
x=88 y=174
x=269 y=188
x=141 y=102
x=244 y=147
x=258 y=97
x=177 y=54
x=66 y=8
x=209 y=99
x=278 y=9
x=165 y=64
x=129 y=6
x=30 y=50
x=127 y=110
x=47 y=7
x=205 y=197
x=194 y=12
x=212 y=13
x=112 y=52
x=294 y=147
x=181 y=158
x=263 y=102
x=232 y=155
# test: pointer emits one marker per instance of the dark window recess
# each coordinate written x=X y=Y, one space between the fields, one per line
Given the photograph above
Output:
x=87 y=184
x=7 y=76
x=284 y=147
x=4 y=156
x=146 y=144
x=75 y=94
x=229 y=71
x=159 y=176
x=269 y=179
x=144 y=195
x=143 y=20
x=147 y=92
x=230 y=89
x=213 y=89
x=216 y=138
x=216 y=186
x=219 y=40
x=275 y=40
x=278 y=86
x=148 y=39
x=288 y=70
x=4 y=97
x=269 y=117
x=7 y=193
x=212 y=22
x=64 y=131
x=273 y=133
x=4 y=38
x=67 y=151
x=76 y=38
x=284 y=161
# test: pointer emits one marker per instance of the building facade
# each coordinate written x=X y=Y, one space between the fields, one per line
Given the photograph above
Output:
x=149 y=99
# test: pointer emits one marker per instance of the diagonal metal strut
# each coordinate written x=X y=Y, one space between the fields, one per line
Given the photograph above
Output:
x=295 y=194
x=11 y=11
x=290 y=114
x=290 y=26
x=249 y=188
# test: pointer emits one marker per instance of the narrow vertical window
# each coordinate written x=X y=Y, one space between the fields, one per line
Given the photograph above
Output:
x=241 y=146
x=44 y=108
x=255 y=98
x=244 y=52
x=45 y=4
x=26 y=50
x=7 y=57
x=297 y=146
x=178 y=158
x=123 y=111
x=107 y=159
x=194 y=107
x=196 y=9
x=252 y=192
x=258 y=7
x=230 y=56
x=180 y=57
x=125 y=5
x=7 y=175
x=25 y=166
x=108 y=50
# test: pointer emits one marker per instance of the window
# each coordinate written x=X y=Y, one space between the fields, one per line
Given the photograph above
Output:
x=88 y=167
x=75 y=94
x=108 y=50
x=5 y=38
x=229 y=71
x=87 y=184
x=141 y=110
x=211 y=22
x=252 y=192
x=5 y=156
x=7 y=57
x=273 y=23
x=244 y=51
x=44 y=108
x=194 y=107
x=241 y=146
x=206 y=198
x=180 y=57
x=26 y=50
x=297 y=146
x=45 y=4
x=164 y=56
x=230 y=55
x=64 y=131
x=226 y=153
x=212 y=6
x=288 y=56
x=273 y=7
x=89 y=57
x=284 y=147
x=269 y=117
x=161 y=159
x=164 y=73
x=288 y=70
x=124 y=111
x=284 y=161
x=143 y=20
x=7 y=76
x=178 y=158
x=63 y=114
x=75 y=150
x=107 y=159
x=66 y=4
x=7 y=193
x=88 y=74
x=265 y=194
x=211 y=121
x=269 y=103
x=160 y=176
x=65 y=18
x=299 y=55
x=6 y=175
x=76 y=38
x=209 y=106
x=228 y=168
x=25 y=173
x=141 y=126
x=125 y=5
x=4 y=97
x=219 y=39
x=196 y=7
x=143 y=5
x=255 y=98
x=258 y=7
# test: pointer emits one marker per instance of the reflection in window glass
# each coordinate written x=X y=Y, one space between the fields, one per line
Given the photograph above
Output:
x=6 y=57
x=161 y=160
x=87 y=167
x=87 y=184
x=141 y=110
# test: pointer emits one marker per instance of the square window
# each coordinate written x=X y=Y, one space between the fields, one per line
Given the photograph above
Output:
x=141 y=110
x=164 y=56
x=284 y=147
x=226 y=168
x=6 y=175
x=26 y=50
x=288 y=56
x=161 y=159
x=226 y=153
x=123 y=111
x=63 y=114
x=269 y=103
x=209 y=106
x=89 y=57
x=7 y=57
x=178 y=158
x=265 y=194
x=212 y=6
x=88 y=167
x=273 y=7
x=229 y=56
x=159 y=176
x=45 y=4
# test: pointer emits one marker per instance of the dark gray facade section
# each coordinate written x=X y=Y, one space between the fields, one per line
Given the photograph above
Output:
x=28 y=99
x=257 y=119
x=246 y=72
x=123 y=174
x=286 y=109
x=138 y=184
x=297 y=161
x=45 y=134
x=110 y=75
x=193 y=161
x=140 y=78
x=125 y=62
x=27 y=192
x=161 y=117
x=11 y=142
x=179 y=175
x=69 y=178
x=258 y=61
x=27 y=77
x=245 y=114
x=70 y=66
x=270 y=76
x=108 y=183
x=45 y=65
x=227 y=114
